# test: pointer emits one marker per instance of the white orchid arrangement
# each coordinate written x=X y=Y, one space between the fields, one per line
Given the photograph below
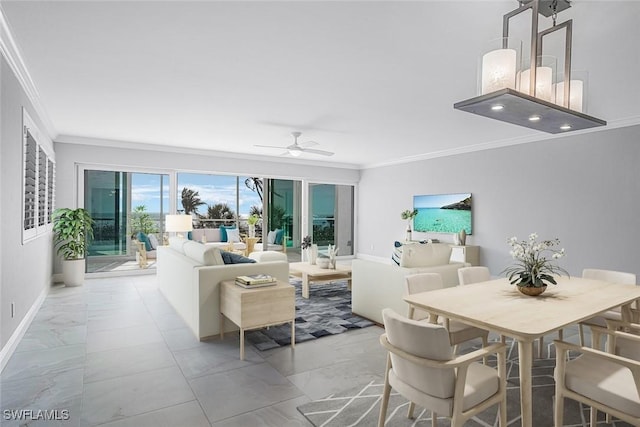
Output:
x=533 y=268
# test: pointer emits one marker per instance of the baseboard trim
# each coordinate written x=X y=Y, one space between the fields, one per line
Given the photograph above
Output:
x=374 y=258
x=8 y=350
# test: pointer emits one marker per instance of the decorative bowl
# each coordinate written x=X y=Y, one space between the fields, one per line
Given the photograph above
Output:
x=322 y=262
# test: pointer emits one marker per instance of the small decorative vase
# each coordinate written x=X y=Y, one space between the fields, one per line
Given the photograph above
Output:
x=252 y=231
x=408 y=236
x=462 y=237
x=531 y=291
x=313 y=253
x=332 y=262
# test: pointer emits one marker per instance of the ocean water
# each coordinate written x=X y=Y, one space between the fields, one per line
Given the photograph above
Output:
x=442 y=220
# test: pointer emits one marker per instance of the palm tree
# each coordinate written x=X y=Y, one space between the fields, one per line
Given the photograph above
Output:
x=255 y=184
x=220 y=211
x=191 y=201
x=255 y=210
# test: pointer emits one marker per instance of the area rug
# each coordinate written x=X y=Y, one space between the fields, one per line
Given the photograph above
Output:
x=326 y=312
x=360 y=406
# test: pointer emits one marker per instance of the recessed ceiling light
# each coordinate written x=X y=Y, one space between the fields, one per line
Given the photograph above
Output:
x=534 y=118
x=497 y=107
x=565 y=127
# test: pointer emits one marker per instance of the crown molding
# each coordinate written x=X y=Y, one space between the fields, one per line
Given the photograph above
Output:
x=80 y=140
x=612 y=124
x=11 y=53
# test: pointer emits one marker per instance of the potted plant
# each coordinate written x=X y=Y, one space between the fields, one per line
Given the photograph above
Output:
x=253 y=220
x=533 y=271
x=72 y=230
x=409 y=215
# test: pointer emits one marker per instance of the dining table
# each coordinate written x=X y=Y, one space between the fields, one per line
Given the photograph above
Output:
x=499 y=307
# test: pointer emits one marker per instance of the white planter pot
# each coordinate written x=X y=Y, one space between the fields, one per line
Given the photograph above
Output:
x=73 y=272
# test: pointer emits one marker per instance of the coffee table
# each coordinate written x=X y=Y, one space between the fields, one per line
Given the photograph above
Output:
x=312 y=273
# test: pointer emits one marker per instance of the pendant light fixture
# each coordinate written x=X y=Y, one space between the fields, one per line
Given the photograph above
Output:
x=534 y=97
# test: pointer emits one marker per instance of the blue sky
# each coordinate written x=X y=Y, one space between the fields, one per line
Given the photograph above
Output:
x=437 y=200
x=145 y=190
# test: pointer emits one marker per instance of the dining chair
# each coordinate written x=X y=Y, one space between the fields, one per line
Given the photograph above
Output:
x=421 y=367
x=608 y=381
x=459 y=332
x=613 y=314
x=476 y=274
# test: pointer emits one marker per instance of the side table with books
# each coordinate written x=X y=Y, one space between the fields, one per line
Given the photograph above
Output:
x=257 y=305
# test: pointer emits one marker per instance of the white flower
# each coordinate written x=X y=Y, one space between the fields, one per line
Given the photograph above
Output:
x=512 y=240
x=533 y=236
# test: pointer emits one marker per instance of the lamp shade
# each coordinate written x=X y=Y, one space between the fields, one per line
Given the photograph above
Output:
x=498 y=70
x=178 y=223
x=576 y=91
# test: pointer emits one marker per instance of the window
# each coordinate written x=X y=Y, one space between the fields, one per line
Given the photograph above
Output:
x=38 y=182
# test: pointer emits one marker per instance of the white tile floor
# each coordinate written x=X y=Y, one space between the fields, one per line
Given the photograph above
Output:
x=114 y=353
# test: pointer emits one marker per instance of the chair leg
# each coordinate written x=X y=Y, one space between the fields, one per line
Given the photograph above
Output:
x=412 y=406
x=485 y=342
x=434 y=419
x=559 y=411
x=385 y=394
x=581 y=332
x=593 y=417
x=540 y=347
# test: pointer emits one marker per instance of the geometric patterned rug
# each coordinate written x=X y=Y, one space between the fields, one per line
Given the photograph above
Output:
x=327 y=311
x=360 y=406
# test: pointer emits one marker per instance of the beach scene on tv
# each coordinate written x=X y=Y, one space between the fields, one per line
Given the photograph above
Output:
x=443 y=213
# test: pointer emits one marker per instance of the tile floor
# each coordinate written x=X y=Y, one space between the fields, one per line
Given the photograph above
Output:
x=114 y=353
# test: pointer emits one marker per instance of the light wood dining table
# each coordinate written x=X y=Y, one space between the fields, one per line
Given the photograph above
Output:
x=498 y=307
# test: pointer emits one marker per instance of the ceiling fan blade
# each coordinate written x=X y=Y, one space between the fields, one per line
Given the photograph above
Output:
x=321 y=152
x=307 y=144
x=270 y=146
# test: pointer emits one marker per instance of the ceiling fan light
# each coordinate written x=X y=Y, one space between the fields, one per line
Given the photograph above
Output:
x=295 y=152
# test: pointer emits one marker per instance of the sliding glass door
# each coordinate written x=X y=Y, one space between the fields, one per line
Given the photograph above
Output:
x=330 y=219
x=122 y=204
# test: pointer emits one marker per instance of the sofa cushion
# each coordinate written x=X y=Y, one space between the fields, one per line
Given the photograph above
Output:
x=271 y=237
x=223 y=231
x=196 y=234
x=266 y=256
x=425 y=255
x=233 y=258
x=153 y=241
x=279 y=236
x=203 y=254
x=177 y=243
x=233 y=235
x=144 y=239
x=213 y=234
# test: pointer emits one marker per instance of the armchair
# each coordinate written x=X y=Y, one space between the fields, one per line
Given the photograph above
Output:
x=606 y=381
x=421 y=367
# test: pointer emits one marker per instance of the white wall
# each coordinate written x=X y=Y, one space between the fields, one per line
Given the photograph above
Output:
x=583 y=189
x=25 y=269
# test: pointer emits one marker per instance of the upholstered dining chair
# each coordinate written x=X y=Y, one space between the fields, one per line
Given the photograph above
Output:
x=614 y=314
x=459 y=332
x=422 y=368
x=606 y=381
x=475 y=274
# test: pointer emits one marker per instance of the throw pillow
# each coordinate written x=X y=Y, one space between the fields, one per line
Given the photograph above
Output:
x=144 y=239
x=271 y=238
x=232 y=258
x=233 y=235
x=223 y=231
x=189 y=235
x=397 y=252
x=279 y=236
x=153 y=241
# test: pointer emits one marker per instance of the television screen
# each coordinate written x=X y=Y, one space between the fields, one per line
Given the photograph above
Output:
x=443 y=213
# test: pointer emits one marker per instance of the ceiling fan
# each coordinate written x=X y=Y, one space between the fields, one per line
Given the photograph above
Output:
x=297 y=148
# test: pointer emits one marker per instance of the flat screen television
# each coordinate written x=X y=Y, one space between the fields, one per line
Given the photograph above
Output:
x=443 y=213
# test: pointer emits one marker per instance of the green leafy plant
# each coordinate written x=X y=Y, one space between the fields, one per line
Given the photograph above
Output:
x=72 y=230
x=253 y=219
x=533 y=268
x=306 y=242
x=141 y=221
x=409 y=214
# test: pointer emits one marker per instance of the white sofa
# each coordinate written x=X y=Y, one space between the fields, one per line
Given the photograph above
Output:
x=377 y=285
x=189 y=275
x=213 y=237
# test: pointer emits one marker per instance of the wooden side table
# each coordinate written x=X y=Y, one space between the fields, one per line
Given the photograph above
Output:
x=257 y=308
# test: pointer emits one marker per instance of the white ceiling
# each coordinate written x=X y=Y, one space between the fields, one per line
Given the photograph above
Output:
x=374 y=81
